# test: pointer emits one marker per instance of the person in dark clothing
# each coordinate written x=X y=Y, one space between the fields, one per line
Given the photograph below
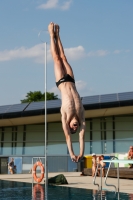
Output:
x=11 y=166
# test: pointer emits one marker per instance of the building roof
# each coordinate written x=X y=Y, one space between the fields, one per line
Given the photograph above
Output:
x=53 y=106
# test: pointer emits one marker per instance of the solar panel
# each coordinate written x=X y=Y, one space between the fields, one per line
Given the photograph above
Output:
x=41 y=105
x=35 y=106
x=125 y=96
x=4 y=109
x=90 y=100
x=108 y=98
x=17 y=107
x=54 y=103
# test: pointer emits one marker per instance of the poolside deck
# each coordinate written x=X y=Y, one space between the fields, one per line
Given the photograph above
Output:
x=75 y=180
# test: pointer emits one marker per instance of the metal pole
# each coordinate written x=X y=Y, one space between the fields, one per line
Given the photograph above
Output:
x=101 y=177
x=46 y=172
x=118 y=177
x=32 y=180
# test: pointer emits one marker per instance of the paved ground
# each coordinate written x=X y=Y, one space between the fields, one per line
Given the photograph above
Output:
x=75 y=180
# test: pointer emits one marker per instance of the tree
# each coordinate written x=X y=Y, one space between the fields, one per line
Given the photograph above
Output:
x=38 y=96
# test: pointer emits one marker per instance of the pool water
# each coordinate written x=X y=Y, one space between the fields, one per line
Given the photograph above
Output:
x=10 y=190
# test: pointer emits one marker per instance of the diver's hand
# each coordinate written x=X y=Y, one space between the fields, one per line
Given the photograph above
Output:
x=79 y=158
x=74 y=158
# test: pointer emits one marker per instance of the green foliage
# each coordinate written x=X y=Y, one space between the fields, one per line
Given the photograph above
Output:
x=38 y=96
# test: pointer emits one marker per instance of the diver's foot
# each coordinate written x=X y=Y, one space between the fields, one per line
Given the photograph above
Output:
x=51 y=29
x=57 y=29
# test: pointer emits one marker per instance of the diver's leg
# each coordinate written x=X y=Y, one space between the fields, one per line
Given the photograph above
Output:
x=58 y=66
x=66 y=65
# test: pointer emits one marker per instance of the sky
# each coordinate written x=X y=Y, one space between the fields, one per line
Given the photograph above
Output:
x=97 y=37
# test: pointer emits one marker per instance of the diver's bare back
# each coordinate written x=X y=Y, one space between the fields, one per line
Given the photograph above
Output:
x=71 y=102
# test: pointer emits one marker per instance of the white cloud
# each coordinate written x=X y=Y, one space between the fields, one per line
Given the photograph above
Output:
x=80 y=85
x=83 y=88
x=117 y=51
x=53 y=4
x=37 y=53
x=22 y=52
x=75 y=53
x=66 y=5
x=49 y=5
x=98 y=53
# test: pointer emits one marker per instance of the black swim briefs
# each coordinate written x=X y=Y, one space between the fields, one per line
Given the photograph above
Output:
x=66 y=78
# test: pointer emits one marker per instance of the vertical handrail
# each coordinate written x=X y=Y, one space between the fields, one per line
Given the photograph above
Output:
x=101 y=175
x=95 y=177
x=32 y=181
x=118 y=177
x=105 y=181
x=94 y=196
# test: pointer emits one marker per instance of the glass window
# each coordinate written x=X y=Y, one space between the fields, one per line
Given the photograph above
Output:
x=19 y=144
x=75 y=137
x=20 y=130
x=87 y=138
x=19 y=148
x=123 y=133
x=87 y=148
x=7 y=147
x=76 y=148
x=35 y=132
x=34 y=142
x=96 y=136
x=87 y=131
x=59 y=148
x=55 y=132
x=109 y=135
x=34 y=148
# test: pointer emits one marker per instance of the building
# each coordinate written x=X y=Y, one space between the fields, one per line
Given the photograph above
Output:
x=109 y=129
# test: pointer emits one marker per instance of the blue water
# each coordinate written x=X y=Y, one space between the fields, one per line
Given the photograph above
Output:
x=10 y=190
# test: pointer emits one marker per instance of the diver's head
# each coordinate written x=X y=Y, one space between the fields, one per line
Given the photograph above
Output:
x=74 y=125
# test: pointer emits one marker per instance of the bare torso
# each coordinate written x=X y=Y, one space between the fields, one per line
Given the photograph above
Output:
x=71 y=102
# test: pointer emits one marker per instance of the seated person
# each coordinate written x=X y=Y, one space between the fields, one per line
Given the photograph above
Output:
x=130 y=156
x=94 y=164
x=101 y=163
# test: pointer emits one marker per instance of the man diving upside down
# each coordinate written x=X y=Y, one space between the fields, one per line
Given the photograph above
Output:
x=72 y=111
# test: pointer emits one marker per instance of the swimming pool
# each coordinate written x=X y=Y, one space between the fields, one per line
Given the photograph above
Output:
x=10 y=190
